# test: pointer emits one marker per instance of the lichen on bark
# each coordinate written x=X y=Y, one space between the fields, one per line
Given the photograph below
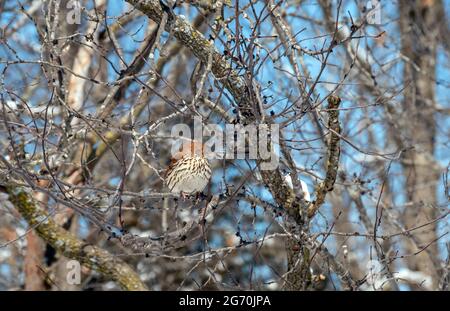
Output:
x=70 y=246
x=333 y=155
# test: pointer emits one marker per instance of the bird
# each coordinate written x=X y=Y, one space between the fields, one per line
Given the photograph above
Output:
x=189 y=171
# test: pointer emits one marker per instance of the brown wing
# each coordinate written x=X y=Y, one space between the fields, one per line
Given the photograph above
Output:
x=172 y=164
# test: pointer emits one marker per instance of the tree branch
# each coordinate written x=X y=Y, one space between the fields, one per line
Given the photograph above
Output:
x=334 y=152
x=201 y=47
x=89 y=255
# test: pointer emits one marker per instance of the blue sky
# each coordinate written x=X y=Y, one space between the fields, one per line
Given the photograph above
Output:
x=308 y=39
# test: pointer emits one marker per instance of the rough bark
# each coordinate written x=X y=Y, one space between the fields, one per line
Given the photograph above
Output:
x=419 y=27
x=68 y=245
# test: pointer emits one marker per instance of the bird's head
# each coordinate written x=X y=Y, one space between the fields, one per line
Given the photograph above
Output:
x=190 y=148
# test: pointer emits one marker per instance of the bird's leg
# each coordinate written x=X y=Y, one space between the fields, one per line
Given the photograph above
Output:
x=197 y=197
x=200 y=196
x=183 y=195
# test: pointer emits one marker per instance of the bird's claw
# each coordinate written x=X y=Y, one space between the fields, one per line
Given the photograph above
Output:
x=183 y=196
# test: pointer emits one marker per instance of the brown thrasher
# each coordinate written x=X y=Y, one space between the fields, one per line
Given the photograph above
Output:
x=189 y=171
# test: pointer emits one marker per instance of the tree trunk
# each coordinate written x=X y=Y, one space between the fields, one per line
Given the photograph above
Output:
x=418 y=25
